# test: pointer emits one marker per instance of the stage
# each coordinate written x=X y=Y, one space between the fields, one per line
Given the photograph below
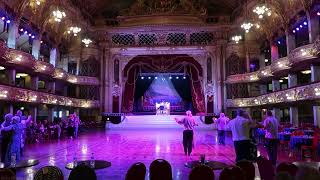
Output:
x=125 y=147
x=155 y=121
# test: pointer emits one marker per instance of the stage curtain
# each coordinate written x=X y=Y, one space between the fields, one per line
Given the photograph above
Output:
x=182 y=86
x=128 y=94
x=210 y=104
x=142 y=85
x=196 y=90
x=115 y=104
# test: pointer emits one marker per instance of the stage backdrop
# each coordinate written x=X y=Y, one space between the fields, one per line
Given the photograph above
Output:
x=150 y=91
x=163 y=64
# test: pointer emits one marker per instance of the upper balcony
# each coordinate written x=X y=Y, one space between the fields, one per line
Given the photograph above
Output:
x=301 y=93
x=26 y=60
x=9 y=93
x=303 y=54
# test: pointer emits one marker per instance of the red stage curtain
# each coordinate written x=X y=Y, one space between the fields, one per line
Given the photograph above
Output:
x=128 y=94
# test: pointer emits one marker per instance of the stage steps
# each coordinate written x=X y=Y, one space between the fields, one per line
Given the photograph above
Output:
x=155 y=121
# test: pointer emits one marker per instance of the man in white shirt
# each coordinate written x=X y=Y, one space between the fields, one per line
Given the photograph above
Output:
x=271 y=127
x=240 y=128
x=222 y=122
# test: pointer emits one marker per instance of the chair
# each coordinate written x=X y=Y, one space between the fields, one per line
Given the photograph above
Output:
x=136 y=172
x=82 y=172
x=247 y=168
x=266 y=168
x=7 y=174
x=232 y=173
x=201 y=172
x=312 y=148
x=160 y=169
x=49 y=172
x=287 y=167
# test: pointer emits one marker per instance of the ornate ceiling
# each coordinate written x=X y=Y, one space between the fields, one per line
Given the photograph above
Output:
x=114 y=8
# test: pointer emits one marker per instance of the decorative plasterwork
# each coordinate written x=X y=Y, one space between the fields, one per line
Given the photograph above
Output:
x=116 y=90
x=307 y=92
x=19 y=58
x=209 y=90
x=298 y=55
x=9 y=93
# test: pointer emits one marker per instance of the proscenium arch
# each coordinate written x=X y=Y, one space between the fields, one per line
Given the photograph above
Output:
x=163 y=64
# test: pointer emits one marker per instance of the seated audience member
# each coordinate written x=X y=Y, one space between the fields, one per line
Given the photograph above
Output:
x=160 y=170
x=136 y=172
x=307 y=173
x=82 y=172
x=201 y=172
x=283 y=176
x=232 y=173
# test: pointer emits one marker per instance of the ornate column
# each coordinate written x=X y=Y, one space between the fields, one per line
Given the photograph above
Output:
x=11 y=73
x=220 y=75
x=36 y=43
x=53 y=56
x=34 y=82
x=275 y=85
x=12 y=35
x=290 y=41
x=313 y=26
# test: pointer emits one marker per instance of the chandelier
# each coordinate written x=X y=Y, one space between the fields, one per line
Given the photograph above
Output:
x=246 y=26
x=75 y=30
x=58 y=15
x=86 y=42
x=236 y=38
x=261 y=11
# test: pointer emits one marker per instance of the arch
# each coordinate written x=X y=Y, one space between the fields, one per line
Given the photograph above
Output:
x=163 y=64
x=235 y=65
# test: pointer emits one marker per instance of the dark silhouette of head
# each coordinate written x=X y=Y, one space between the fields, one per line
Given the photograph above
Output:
x=160 y=169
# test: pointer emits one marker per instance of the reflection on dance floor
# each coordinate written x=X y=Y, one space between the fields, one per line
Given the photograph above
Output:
x=124 y=147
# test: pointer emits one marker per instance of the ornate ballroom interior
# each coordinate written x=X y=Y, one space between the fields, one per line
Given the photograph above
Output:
x=94 y=57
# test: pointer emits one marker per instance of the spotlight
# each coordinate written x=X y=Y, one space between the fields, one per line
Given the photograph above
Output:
x=170 y=77
x=305 y=23
x=156 y=77
x=318 y=13
x=26 y=32
x=177 y=77
x=301 y=26
x=266 y=60
x=142 y=77
x=32 y=36
x=21 y=29
x=8 y=21
x=149 y=77
x=294 y=31
x=279 y=42
x=297 y=29
x=281 y=81
x=3 y=18
x=184 y=77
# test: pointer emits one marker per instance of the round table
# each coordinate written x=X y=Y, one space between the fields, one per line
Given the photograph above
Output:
x=298 y=141
x=25 y=163
x=98 y=164
x=214 y=165
x=283 y=136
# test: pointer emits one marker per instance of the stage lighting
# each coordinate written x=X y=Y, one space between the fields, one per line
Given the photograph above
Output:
x=177 y=77
x=184 y=77
x=142 y=77
x=149 y=77
x=156 y=77
x=170 y=77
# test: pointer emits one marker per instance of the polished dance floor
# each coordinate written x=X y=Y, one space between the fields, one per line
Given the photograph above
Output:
x=125 y=147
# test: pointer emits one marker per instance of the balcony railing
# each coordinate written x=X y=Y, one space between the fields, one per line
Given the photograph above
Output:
x=8 y=93
x=16 y=57
x=298 y=55
x=301 y=93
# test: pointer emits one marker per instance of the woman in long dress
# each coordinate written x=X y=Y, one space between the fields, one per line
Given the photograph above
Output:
x=15 y=143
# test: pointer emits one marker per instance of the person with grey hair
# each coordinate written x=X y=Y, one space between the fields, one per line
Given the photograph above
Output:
x=240 y=128
x=15 y=143
x=188 y=123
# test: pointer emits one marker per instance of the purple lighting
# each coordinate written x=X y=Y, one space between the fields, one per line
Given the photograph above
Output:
x=21 y=29
x=3 y=18
x=8 y=21
x=32 y=36
x=305 y=23
x=294 y=31
x=297 y=29
x=279 y=42
x=26 y=32
x=318 y=13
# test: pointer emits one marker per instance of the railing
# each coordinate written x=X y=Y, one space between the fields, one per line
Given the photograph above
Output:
x=298 y=55
x=16 y=57
x=307 y=92
x=24 y=95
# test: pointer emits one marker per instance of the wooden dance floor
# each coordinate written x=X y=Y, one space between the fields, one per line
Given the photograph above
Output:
x=125 y=147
